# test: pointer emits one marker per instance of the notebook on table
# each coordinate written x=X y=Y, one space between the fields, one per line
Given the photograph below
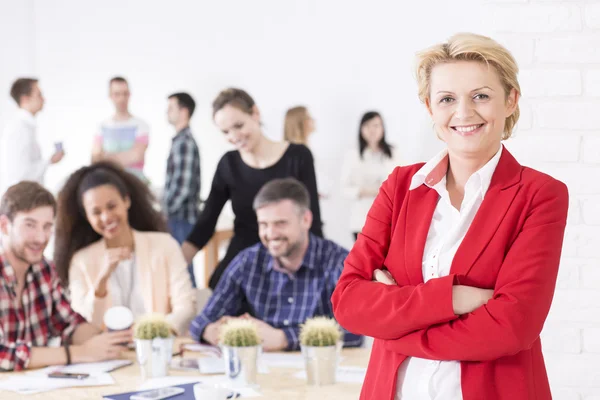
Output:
x=187 y=395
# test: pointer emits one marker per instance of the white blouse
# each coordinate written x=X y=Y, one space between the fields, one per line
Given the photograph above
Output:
x=125 y=289
x=358 y=173
x=419 y=378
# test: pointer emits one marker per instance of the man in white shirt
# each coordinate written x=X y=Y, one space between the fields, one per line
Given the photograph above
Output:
x=122 y=138
x=20 y=155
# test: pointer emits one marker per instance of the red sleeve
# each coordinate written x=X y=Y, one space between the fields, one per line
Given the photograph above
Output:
x=381 y=311
x=513 y=319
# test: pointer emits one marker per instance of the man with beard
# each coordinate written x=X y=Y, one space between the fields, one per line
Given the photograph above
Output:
x=285 y=279
x=34 y=310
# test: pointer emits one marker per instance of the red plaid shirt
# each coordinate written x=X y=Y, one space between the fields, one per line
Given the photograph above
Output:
x=46 y=313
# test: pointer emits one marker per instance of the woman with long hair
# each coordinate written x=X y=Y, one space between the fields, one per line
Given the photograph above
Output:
x=111 y=248
x=242 y=172
x=366 y=167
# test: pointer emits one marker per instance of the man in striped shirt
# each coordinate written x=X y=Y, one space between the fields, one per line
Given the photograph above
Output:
x=285 y=279
x=182 y=186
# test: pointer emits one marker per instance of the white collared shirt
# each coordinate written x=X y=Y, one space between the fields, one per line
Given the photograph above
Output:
x=20 y=155
x=419 y=378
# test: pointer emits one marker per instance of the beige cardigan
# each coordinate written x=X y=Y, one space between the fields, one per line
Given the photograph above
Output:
x=165 y=281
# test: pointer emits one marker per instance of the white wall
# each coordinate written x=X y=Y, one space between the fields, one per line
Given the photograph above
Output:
x=17 y=49
x=339 y=58
x=558 y=43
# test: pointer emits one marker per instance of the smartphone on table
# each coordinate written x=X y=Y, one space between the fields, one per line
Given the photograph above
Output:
x=158 y=394
x=67 y=375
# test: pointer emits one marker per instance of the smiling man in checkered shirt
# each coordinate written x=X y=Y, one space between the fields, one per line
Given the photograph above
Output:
x=286 y=279
x=34 y=309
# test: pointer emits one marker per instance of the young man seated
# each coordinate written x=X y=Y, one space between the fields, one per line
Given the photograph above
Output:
x=34 y=310
x=285 y=279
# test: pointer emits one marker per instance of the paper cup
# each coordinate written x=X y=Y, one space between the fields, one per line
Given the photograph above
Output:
x=118 y=318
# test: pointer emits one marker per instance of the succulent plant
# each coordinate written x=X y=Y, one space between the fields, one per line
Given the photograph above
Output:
x=319 y=332
x=239 y=333
x=152 y=326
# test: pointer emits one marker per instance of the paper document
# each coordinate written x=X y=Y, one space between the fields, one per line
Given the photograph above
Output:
x=87 y=368
x=221 y=380
x=36 y=383
x=343 y=375
x=282 y=360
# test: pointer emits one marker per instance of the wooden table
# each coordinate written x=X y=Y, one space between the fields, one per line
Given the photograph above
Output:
x=278 y=384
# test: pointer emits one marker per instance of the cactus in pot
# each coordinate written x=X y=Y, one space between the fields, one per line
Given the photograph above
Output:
x=153 y=345
x=152 y=326
x=240 y=344
x=320 y=343
x=239 y=333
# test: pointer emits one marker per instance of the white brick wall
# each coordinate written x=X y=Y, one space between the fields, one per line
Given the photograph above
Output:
x=557 y=46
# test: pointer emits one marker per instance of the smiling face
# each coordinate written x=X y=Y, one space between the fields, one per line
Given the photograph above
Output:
x=106 y=211
x=240 y=128
x=283 y=228
x=28 y=234
x=469 y=107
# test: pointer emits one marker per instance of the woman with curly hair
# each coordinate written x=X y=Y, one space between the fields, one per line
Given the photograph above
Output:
x=112 y=248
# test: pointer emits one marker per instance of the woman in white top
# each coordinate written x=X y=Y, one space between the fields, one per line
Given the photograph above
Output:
x=365 y=169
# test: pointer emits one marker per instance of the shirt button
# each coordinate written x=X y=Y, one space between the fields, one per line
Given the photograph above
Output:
x=290 y=300
x=286 y=322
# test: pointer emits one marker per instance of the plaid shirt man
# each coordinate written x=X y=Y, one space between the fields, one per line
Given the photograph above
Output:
x=182 y=187
x=45 y=313
x=277 y=297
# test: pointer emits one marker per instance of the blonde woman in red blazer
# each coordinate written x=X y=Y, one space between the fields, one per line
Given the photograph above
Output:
x=455 y=269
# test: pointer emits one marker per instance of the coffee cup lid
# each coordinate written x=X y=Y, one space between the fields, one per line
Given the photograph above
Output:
x=118 y=318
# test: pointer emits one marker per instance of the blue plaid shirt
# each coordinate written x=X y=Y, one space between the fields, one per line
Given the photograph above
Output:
x=280 y=299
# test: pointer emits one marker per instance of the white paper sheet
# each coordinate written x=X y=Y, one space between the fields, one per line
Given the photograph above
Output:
x=343 y=375
x=36 y=383
x=282 y=360
x=86 y=368
x=220 y=380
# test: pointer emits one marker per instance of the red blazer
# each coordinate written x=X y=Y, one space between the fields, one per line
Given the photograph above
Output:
x=513 y=246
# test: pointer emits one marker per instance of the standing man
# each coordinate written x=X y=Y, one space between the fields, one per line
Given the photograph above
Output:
x=182 y=186
x=20 y=155
x=34 y=308
x=122 y=138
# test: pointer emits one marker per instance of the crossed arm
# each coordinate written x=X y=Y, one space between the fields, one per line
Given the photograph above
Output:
x=403 y=316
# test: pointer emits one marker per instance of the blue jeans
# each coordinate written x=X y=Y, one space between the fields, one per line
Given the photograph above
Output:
x=180 y=229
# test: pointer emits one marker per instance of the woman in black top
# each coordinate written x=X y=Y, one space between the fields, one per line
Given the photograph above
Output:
x=242 y=172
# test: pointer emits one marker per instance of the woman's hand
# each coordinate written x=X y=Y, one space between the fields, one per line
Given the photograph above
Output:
x=383 y=276
x=466 y=299
x=112 y=258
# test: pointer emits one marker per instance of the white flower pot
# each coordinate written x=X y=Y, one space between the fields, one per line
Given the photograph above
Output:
x=154 y=356
x=321 y=364
x=241 y=365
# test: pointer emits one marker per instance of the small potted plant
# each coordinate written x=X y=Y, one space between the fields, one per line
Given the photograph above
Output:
x=153 y=345
x=321 y=345
x=240 y=345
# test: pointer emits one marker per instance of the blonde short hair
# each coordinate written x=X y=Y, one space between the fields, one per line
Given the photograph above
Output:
x=294 y=127
x=471 y=47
